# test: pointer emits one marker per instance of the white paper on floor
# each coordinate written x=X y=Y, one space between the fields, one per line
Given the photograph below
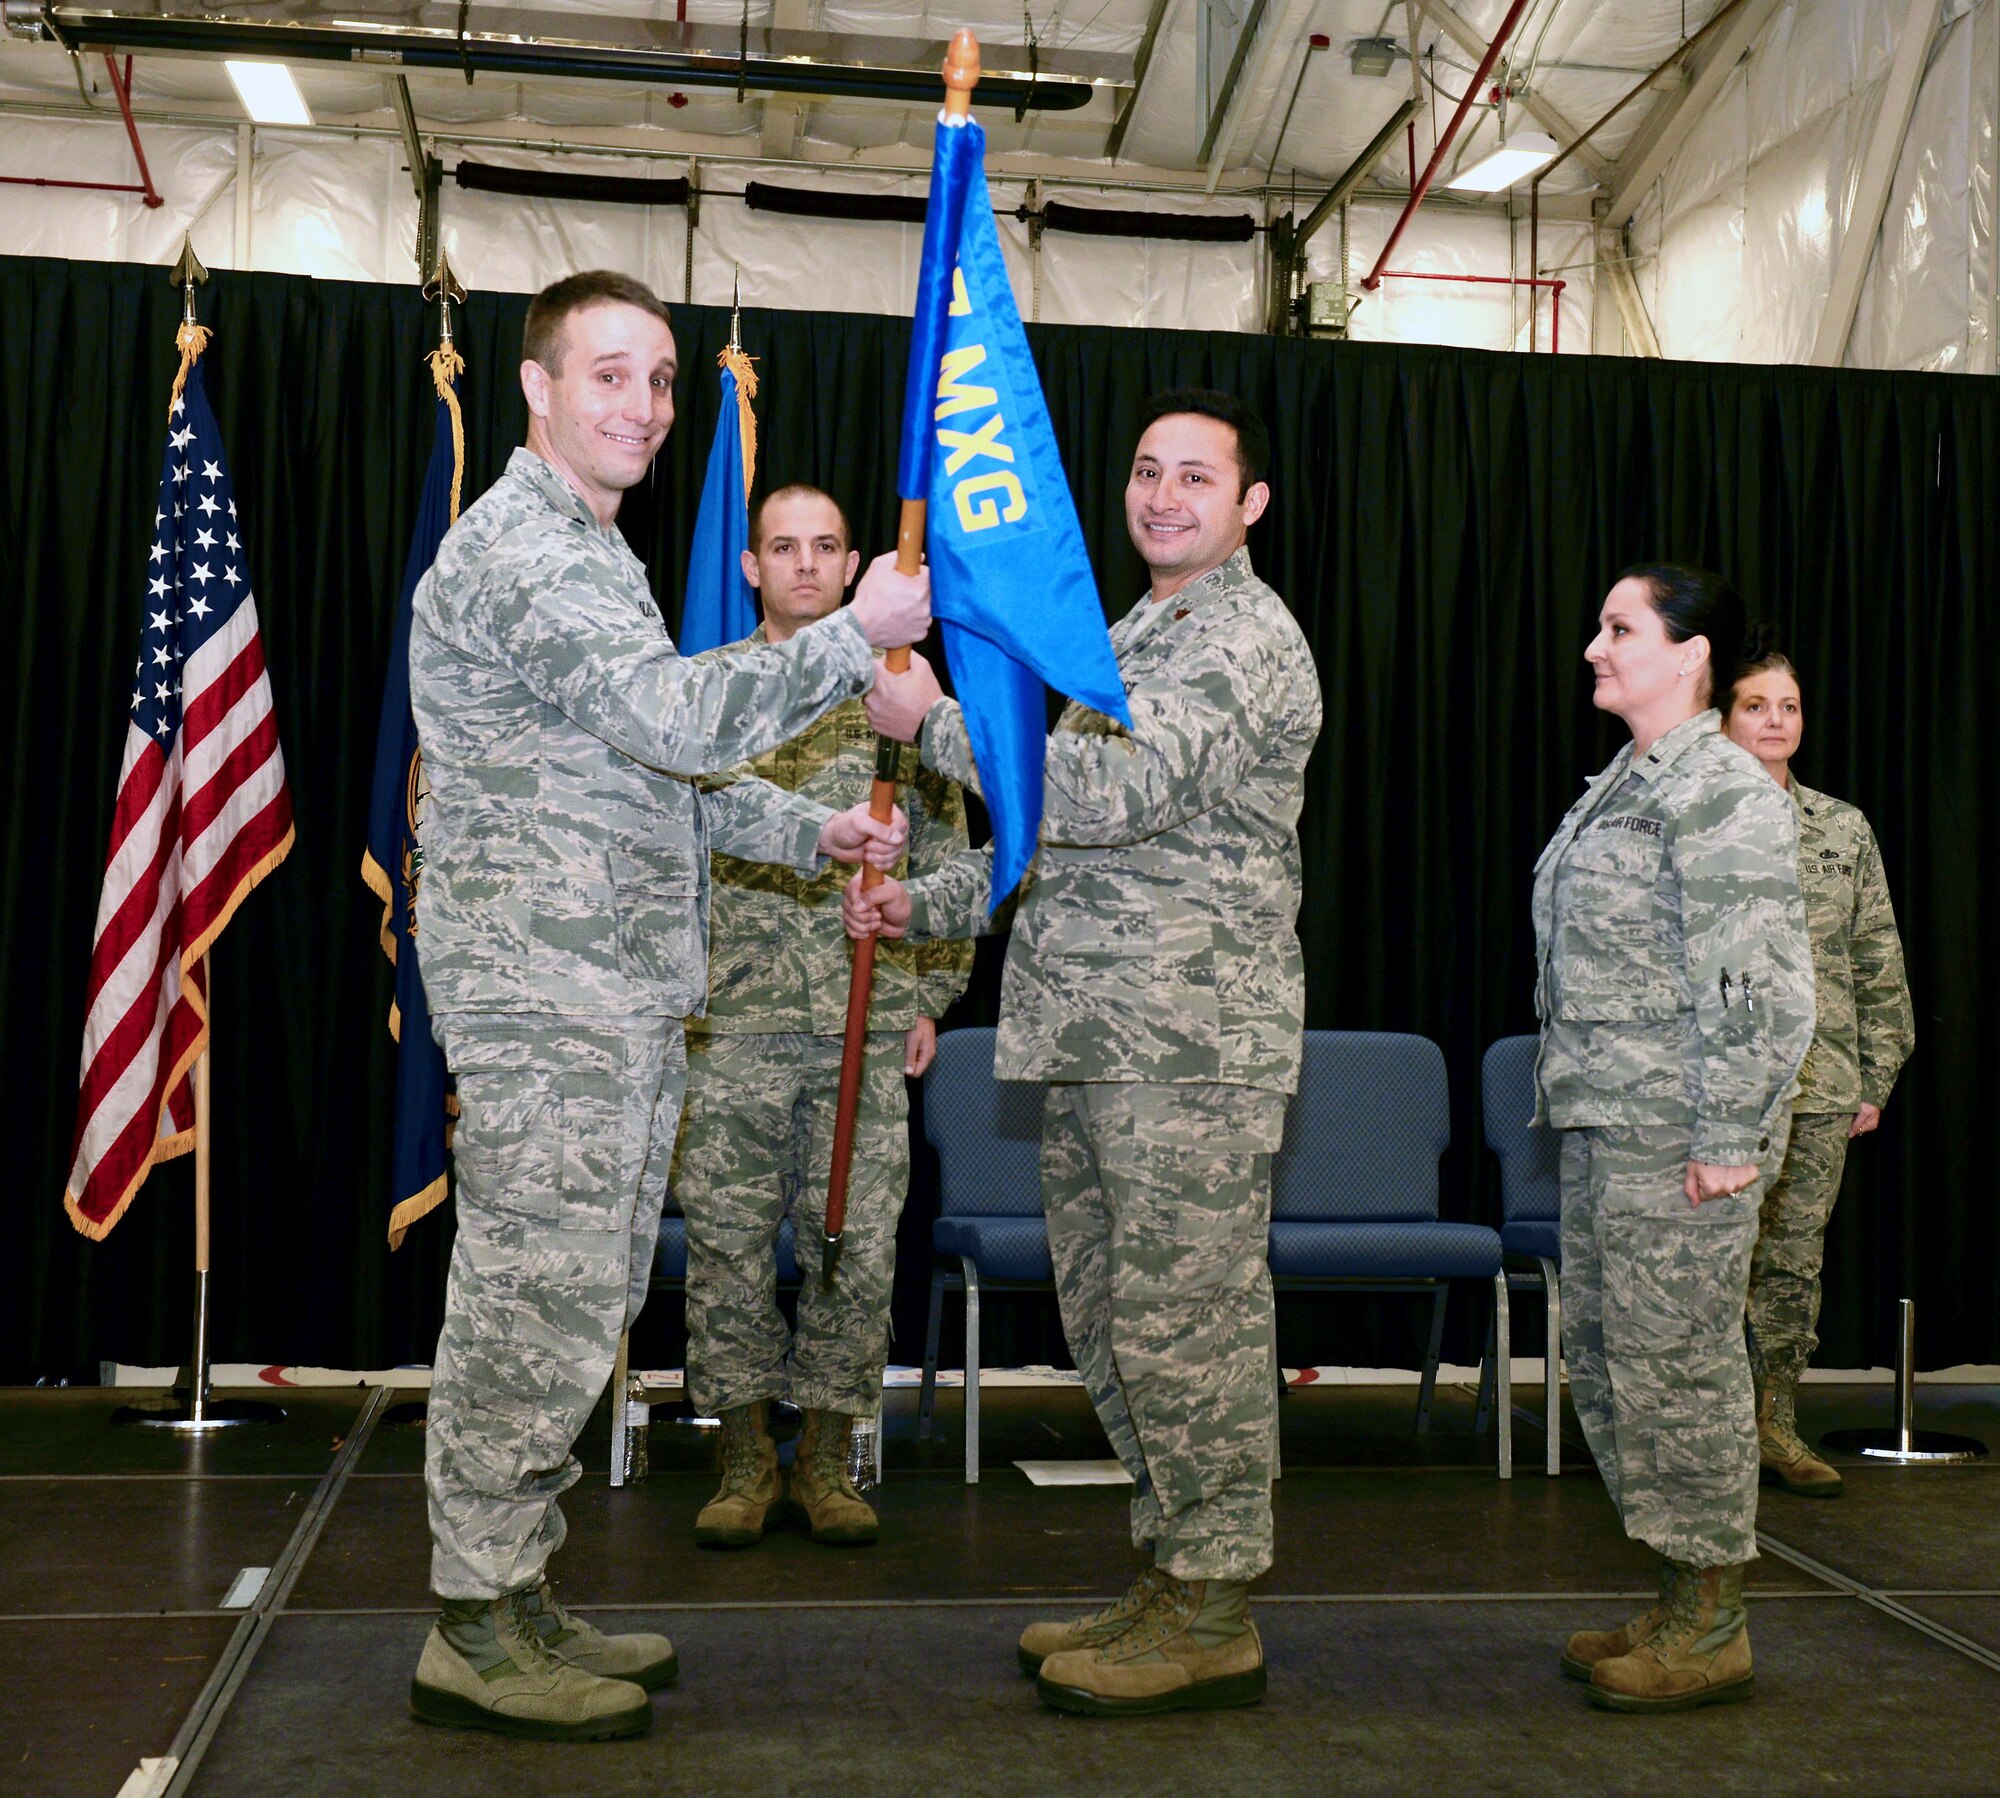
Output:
x=1075 y=1473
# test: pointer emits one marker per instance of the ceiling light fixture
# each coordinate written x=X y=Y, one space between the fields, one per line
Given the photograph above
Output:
x=269 y=93
x=1516 y=159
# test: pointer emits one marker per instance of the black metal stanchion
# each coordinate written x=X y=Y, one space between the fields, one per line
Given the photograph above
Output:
x=1905 y=1445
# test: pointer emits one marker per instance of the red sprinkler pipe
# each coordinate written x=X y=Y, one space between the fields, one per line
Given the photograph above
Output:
x=1373 y=278
x=123 y=89
x=124 y=92
x=1556 y=294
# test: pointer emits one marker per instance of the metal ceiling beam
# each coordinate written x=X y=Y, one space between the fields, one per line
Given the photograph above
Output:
x=1617 y=271
x=1279 y=21
x=1358 y=170
x=1142 y=66
x=1668 y=124
x=783 y=120
x=1878 y=170
x=598 y=46
x=1473 y=43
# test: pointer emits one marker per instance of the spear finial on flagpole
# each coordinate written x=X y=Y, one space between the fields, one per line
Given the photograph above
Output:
x=736 y=309
x=187 y=271
x=192 y=337
x=444 y=287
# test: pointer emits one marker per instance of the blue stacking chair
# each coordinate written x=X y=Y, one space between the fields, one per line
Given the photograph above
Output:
x=670 y=1272
x=990 y=1234
x=1354 y=1192
x=1530 y=1201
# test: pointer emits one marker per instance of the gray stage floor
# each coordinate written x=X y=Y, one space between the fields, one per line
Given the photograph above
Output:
x=1412 y=1619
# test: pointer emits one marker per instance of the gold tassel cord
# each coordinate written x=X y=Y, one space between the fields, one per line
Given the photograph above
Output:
x=446 y=366
x=742 y=367
x=191 y=339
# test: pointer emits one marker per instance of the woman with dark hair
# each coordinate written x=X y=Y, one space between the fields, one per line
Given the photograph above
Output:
x=1674 y=985
x=1862 y=1038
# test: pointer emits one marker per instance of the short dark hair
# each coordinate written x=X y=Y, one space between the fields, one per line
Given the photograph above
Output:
x=542 y=337
x=1253 y=440
x=798 y=490
x=1760 y=655
x=1696 y=602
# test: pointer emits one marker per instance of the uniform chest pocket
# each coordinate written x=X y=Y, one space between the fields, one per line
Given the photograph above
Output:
x=1617 y=951
x=1615 y=866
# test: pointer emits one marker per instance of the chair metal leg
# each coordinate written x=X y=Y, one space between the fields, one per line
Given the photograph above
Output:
x=971 y=1370
x=620 y=1378
x=1552 y=1362
x=1503 y=1374
x=927 y=1398
x=1427 y=1386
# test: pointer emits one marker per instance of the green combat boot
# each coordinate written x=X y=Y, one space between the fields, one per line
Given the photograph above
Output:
x=1193 y=1648
x=822 y=1492
x=1040 y=1640
x=484 y=1666
x=1589 y=1646
x=1700 y=1655
x=647 y=1661
x=736 y=1516
x=1782 y=1456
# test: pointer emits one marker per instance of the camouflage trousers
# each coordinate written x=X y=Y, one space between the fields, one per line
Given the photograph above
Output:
x=565 y=1130
x=757 y=1145
x=1791 y=1243
x=1159 y=1207
x=1653 y=1294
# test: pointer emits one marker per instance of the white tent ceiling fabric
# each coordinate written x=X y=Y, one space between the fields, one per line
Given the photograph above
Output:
x=1735 y=241
x=1741 y=234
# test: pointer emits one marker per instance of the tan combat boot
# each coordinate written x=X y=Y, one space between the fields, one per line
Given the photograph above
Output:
x=1040 y=1640
x=1782 y=1456
x=822 y=1492
x=484 y=1667
x=1192 y=1648
x=647 y=1661
x=751 y=1487
x=1700 y=1655
x=1589 y=1646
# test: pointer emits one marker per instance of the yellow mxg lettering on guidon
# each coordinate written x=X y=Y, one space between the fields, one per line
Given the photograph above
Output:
x=996 y=496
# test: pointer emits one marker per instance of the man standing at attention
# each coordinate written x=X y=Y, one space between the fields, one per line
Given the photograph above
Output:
x=563 y=937
x=763 y=1076
x=1155 y=982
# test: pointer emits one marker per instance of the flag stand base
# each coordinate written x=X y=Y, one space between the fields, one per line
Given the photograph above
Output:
x=1905 y=1445
x=175 y=1412
x=192 y=1409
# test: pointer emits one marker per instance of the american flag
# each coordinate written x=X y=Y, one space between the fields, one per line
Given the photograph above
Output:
x=203 y=814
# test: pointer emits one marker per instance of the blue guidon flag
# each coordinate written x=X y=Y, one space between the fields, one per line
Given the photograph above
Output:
x=1010 y=579
x=393 y=863
x=718 y=607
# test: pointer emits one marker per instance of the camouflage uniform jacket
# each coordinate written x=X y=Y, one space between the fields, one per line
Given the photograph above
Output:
x=778 y=958
x=1866 y=1024
x=1156 y=934
x=566 y=847
x=1674 y=978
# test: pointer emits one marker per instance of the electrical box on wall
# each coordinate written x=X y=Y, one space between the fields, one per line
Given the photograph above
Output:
x=1371 y=55
x=1327 y=309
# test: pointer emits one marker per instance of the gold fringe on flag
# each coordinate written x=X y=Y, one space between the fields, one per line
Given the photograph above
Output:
x=191 y=339
x=741 y=366
x=446 y=366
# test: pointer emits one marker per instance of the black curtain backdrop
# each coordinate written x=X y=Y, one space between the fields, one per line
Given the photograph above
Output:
x=1444 y=525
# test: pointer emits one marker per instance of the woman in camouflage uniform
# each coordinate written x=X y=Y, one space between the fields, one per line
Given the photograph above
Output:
x=1674 y=985
x=1863 y=1037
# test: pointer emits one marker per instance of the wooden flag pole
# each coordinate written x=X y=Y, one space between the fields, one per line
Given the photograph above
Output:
x=961 y=76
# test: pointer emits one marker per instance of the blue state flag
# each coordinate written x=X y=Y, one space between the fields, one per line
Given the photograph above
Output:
x=1010 y=579
x=393 y=864
x=719 y=607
